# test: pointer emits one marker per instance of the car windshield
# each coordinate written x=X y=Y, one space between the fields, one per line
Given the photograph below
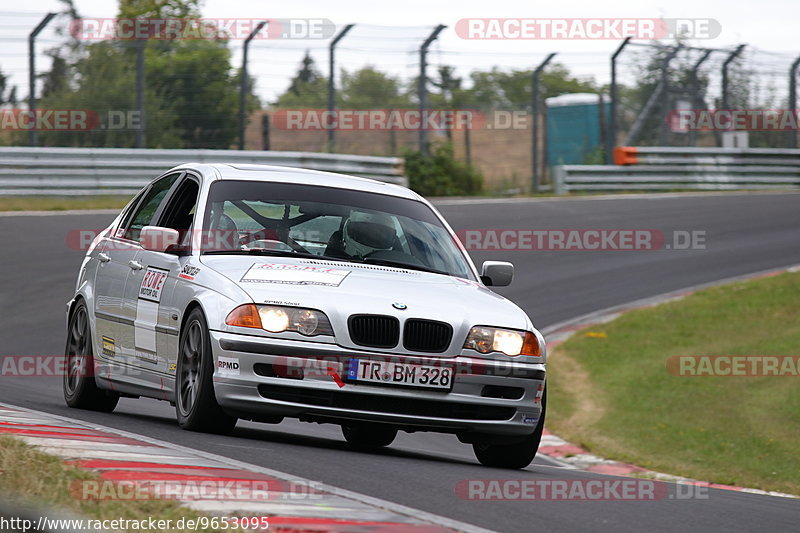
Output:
x=260 y=218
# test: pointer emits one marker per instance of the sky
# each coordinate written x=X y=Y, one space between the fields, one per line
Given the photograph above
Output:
x=387 y=35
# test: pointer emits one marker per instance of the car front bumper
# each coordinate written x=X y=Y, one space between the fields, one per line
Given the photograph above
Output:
x=262 y=378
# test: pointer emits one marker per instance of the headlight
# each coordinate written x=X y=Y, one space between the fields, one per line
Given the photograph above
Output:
x=277 y=319
x=486 y=339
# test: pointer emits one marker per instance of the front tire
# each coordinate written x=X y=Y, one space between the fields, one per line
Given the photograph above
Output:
x=513 y=456
x=80 y=389
x=369 y=437
x=195 y=404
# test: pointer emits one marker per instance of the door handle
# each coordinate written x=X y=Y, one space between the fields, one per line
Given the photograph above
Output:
x=103 y=257
x=135 y=265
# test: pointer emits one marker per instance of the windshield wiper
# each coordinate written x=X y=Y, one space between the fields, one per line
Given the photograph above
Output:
x=398 y=264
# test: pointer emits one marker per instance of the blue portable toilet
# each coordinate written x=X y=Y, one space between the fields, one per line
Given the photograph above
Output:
x=573 y=128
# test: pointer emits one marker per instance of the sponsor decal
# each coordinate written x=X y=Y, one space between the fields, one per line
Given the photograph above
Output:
x=228 y=366
x=189 y=272
x=109 y=346
x=147 y=307
x=529 y=420
x=173 y=368
x=152 y=284
x=294 y=274
x=281 y=302
x=146 y=356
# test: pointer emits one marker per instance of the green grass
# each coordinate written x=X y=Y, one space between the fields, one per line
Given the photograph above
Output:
x=614 y=396
x=45 y=480
x=61 y=203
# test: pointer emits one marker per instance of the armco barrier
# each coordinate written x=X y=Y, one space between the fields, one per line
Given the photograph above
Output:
x=666 y=168
x=74 y=171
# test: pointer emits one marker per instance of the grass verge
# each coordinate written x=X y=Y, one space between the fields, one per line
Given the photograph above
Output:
x=45 y=480
x=612 y=394
x=61 y=203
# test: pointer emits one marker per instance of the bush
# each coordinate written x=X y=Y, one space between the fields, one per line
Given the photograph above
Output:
x=440 y=174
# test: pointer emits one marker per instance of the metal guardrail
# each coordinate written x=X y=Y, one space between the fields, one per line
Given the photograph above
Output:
x=666 y=168
x=80 y=171
x=663 y=155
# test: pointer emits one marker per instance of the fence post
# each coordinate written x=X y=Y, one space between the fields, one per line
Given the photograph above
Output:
x=535 y=131
x=695 y=86
x=559 y=177
x=244 y=84
x=611 y=138
x=331 y=84
x=32 y=138
x=725 y=64
x=793 y=100
x=423 y=87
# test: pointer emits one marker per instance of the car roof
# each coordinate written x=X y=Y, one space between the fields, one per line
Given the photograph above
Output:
x=273 y=173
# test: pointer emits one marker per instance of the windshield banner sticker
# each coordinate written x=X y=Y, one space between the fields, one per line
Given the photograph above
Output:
x=294 y=274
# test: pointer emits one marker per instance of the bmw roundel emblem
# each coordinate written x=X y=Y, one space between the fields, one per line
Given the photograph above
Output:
x=400 y=306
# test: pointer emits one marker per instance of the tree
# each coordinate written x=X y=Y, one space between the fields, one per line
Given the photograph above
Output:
x=161 y=9
x=369 y=88
x=193 y=79
x=57 y=78
x=308 y=88
x=498 y=89
x=191 y=92
x=8 y=95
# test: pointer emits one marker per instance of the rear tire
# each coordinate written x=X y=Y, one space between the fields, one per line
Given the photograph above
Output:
x=366 y=437
x=80 y=388
x=517 y=455
x=195 y=403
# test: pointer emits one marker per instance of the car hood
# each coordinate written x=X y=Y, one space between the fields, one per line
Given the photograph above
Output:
x=343 y=289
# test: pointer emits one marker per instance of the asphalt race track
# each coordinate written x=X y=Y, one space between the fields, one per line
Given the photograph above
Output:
x=743 y=234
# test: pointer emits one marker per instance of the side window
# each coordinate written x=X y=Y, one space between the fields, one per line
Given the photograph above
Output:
x=148 y=206
x=119 y=230
x=179 y=212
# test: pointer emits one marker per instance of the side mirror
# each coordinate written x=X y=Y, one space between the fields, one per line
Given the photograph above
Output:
x=158 y=239
x=497 y=273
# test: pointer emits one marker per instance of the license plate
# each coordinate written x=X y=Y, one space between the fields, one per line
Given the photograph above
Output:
x=400 y=374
